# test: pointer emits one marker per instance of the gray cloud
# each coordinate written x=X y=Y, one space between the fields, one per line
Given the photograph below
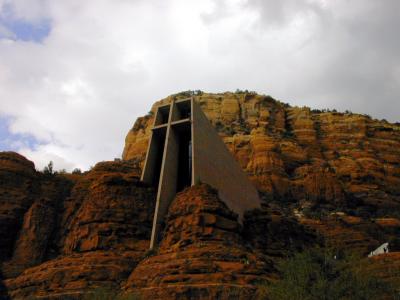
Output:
x=105 y=62
x=351 y=60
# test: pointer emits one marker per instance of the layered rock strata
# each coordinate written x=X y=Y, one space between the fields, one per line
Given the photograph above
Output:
x=91 y=237
x=18 y=188
x=202 y=254
x=325 y=177
x=349 y=161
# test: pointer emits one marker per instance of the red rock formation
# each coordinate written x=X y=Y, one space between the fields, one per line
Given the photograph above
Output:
x=108 y=209
x=354 y=234
x=295 y=153
x=202 y=254
x=71 y=276
x=275 y=234
x=18 y=188
x=324 y=176
x=93 y=238
x=31 y=245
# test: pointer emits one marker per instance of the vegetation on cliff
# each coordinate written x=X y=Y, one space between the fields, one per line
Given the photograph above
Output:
x=320 y=273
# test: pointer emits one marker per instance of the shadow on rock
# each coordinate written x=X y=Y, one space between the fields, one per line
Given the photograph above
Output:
x=3 y=289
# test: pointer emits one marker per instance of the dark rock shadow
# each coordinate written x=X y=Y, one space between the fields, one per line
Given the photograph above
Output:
x=3 y=289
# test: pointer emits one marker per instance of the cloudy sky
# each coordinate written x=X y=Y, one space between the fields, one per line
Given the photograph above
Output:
x=74 y=74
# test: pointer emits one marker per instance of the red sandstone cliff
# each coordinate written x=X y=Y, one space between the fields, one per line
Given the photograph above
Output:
x=326 y=178
x=63 y=239
x=301 y=155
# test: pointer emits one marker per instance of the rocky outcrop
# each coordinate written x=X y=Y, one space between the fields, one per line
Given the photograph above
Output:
x=202 y=254
x=326 y=178
x=78 y=232
x=18 y=188
x=355 y=234
x=136 y=144
x=346 y=160
x=109 y=209
x=71 y=276
x=277 y=235
x=33 y=239
x=30 y=205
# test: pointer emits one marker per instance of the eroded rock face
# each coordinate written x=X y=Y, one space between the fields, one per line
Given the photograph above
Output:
x=109 y=209
x=18 y=187
x=70 y=276
x=324 y=177
x=277 y=235
x=77 y=232
x=295 y=153
x=355 y=234
x=202 y=254
x=32 y=243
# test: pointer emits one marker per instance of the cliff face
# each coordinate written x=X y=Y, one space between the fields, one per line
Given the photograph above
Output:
x=70 y=233
x=202 y=254
x=336 y=174
x=29 y=202
x=18 y=187
x=206 y=254
x=79 y=233
x=344 y=161
x=325 y=178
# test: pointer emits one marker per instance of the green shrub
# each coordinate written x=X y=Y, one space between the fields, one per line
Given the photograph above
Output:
x=77 y=171
x=48 y=170
x=320 y=274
